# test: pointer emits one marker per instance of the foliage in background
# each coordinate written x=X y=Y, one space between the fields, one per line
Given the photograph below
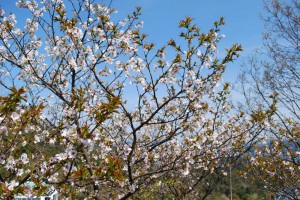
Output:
x=275 y=73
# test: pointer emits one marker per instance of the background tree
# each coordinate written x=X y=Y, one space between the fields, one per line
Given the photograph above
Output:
x=84 y=68
x=274 y=72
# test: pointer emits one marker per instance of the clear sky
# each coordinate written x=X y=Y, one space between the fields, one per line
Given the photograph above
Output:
x=243 y=24
x=161 y=17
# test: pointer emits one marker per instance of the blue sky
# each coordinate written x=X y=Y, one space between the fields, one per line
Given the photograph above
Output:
x=161 y=17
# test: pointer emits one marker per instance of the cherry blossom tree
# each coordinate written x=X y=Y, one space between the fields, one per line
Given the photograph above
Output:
x=72 y=126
